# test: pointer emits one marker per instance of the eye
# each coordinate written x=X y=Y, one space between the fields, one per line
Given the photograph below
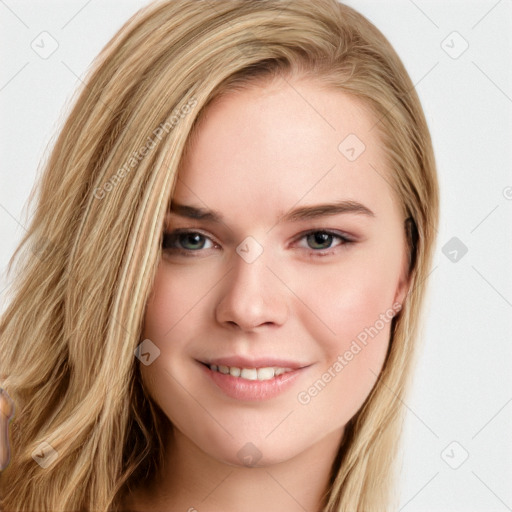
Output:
x=186 y=241
x=321 y=241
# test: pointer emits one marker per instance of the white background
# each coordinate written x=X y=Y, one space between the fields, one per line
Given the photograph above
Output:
x=462 y=389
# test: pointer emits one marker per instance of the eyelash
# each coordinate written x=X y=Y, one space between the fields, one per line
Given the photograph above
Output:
x=173 y=235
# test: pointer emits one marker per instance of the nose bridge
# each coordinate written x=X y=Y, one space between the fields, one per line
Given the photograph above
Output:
x=251 y=294
x=251 y=275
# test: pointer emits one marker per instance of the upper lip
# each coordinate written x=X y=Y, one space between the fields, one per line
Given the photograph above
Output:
x=260 y=362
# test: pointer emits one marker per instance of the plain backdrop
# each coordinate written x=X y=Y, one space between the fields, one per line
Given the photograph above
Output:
x=457 y=450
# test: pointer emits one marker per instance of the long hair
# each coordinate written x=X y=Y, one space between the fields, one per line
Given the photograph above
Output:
x=86 y=266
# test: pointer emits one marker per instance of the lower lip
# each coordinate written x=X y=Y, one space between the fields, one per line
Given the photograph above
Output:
x=253 y=390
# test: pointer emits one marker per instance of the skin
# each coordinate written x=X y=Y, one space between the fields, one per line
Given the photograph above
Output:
x=259 y=154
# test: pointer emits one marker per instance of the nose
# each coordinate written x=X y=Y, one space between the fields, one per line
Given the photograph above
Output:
x=251 y=297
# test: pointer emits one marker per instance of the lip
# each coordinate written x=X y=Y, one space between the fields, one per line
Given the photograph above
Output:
x=253 y=390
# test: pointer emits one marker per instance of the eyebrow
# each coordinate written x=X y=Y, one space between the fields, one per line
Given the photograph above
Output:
x=298 y=214
x=192 y=212
x=321 y=210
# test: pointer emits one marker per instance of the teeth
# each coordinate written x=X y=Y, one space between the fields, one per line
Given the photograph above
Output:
x=235 y=371
x=250 y=373
x=266 y=373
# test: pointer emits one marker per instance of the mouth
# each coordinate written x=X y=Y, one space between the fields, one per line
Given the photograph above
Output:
x=264 y=373
x=252 y=380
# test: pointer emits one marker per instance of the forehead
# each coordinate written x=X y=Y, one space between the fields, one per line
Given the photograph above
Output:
x=273 y=146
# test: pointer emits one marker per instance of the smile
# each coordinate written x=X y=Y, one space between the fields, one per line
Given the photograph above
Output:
x=250 y=373
x=247 y=383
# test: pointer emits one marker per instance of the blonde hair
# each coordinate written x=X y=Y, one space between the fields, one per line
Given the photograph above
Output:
x=68 y=336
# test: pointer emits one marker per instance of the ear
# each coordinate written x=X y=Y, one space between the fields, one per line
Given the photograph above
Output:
x=408 y=260
x=403 y=285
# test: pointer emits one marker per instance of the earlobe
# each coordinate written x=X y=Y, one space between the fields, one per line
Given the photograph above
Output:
x=403 y=286
x=409 y=260
x=404 y=283
x=401 y=292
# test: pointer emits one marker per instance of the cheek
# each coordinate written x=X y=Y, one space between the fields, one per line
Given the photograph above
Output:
x=343 y=304
x=175 y=301
x=173 y=306
x=349 y=315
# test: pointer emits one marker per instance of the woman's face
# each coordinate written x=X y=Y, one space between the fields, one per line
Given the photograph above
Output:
x=290 y=254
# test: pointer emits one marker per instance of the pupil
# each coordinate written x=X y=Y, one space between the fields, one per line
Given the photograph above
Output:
x=320 y=240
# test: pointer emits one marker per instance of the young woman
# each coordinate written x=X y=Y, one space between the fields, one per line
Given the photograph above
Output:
x=227 y=265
